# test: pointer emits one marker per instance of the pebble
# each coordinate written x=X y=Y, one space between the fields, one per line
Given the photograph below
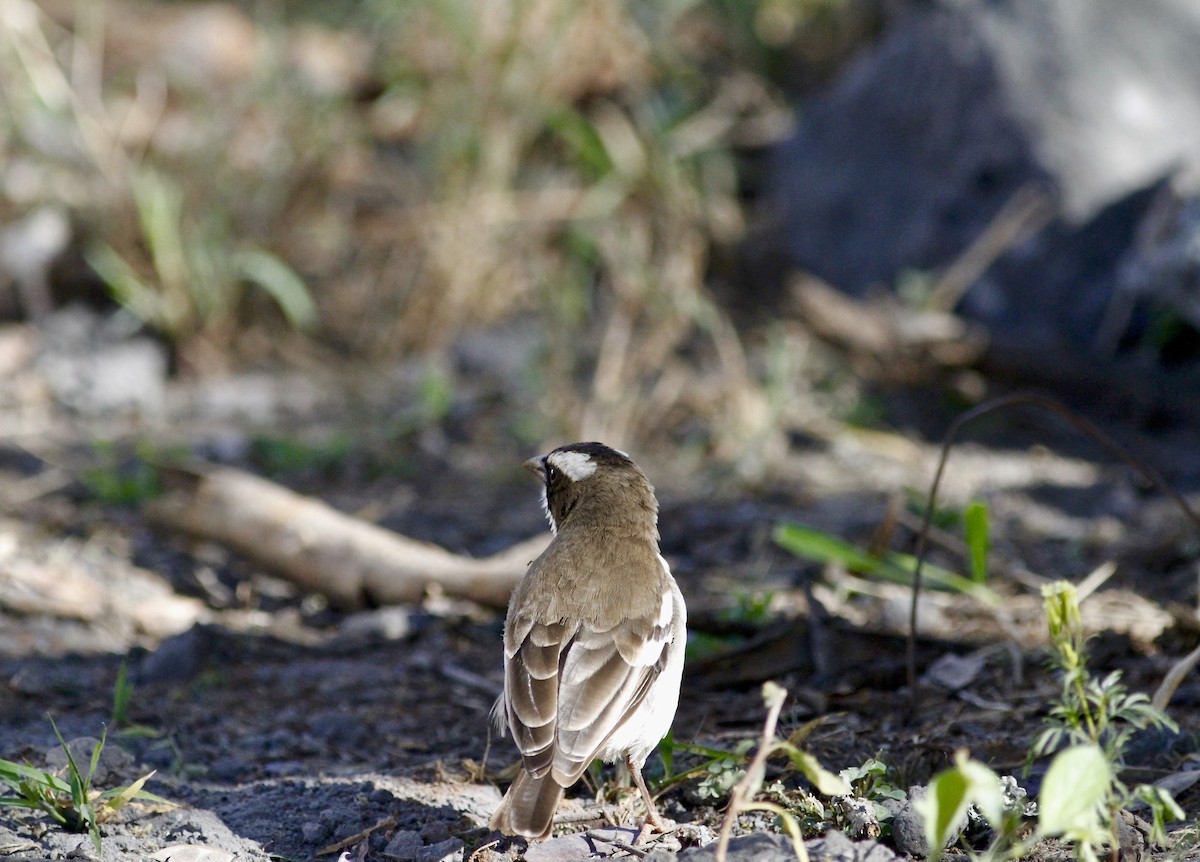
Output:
x=404 y=846
x=450 y=850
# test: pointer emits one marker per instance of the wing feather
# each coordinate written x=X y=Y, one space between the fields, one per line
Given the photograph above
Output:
x=568 y=689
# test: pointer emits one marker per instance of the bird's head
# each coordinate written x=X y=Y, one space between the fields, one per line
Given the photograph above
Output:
x=593 y=484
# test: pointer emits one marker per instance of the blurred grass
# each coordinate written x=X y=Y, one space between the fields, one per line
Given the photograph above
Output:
x=385 y=180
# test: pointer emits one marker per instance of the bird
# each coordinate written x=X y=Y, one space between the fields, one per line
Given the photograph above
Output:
x=594 y=637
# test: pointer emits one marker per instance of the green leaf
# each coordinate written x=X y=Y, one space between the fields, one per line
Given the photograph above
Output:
x=666 y=751
x=78 y=788
x=581 y=135
x=282 y=284
x=984 y=788
x=813 y=544
x=975 y=519
x=119 y=797
x=96 y=754
x=1076 y=785
x=13 y=773
x=952 y=792
x=944 y=808
x=122 y=694
x=826 y=782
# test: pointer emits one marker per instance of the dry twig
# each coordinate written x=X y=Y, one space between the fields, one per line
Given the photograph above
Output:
x=353 y=563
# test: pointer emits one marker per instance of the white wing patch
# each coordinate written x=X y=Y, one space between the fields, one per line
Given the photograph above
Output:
x=576 y=465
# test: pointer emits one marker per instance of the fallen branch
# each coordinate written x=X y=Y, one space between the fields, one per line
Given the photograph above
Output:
x=353 y=563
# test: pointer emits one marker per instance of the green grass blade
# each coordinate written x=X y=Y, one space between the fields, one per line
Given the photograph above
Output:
x=78 y=787
x=281 y=283
x=122 y=695
x=118 y=797
x=14 y=773
x=812 y=544
x=975 y=519
x=96 y=756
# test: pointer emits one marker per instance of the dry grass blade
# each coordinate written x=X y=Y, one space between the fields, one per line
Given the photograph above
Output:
x=1176 y=675
x=742 y=797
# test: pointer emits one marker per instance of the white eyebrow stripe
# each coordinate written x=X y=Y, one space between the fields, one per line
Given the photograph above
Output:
x=576 y=465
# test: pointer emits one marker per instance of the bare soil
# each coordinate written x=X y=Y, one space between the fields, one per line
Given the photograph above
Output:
x=282 y=728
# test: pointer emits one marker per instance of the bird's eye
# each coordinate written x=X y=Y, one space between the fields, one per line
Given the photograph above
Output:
x=551 y=473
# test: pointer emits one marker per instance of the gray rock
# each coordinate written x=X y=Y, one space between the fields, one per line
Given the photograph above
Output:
x=838 y=847
x=315 y=831
x=756 y=847
x=580 y=845
x=921 y=143
x=96 y=369
x=908 y=826
x=116 y=765
x=404 y=846
x=178 y=658
x=917 y=148
x=450 y=850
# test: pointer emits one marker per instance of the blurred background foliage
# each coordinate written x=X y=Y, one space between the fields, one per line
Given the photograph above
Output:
x=563 y=184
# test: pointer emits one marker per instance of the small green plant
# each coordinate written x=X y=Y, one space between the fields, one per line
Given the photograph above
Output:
x=278 y=456
x=721 y=774
x=819 y=546
x=873 y=782
x=750 y=608
x=742 y=798
x=719 y=769
x=122 y=479
x=975 y=524
x=70 y=801
x=122 y=696
x=1082 y=793
x=193 y=279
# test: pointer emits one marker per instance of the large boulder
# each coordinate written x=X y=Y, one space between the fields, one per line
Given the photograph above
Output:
x=910 y=156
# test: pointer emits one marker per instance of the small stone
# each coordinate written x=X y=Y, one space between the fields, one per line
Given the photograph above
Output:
x=694 y=834
x=191 y=853
x=227 y=768
x=756 y=847
x=315 y=831
x=908 y=826
x=404 y=846
x=450 y=850
x=435 y=832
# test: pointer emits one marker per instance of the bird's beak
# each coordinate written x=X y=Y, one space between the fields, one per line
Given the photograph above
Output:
x=536 y=466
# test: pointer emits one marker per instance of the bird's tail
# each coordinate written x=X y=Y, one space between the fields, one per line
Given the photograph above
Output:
x=528 y=807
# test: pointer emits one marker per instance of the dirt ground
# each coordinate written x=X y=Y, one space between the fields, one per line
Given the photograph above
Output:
x=282 y=728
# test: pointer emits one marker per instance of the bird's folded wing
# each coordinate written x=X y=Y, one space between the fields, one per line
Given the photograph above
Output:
x=531 y=681
x=604 y=679
x=567 y=690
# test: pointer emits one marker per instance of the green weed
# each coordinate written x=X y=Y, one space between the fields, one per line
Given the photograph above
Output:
x=70 y=801
x=192 y=280
x=742 y=797
x=123 y=478
x=1082 y=793
x=281 y=456
x=819 y=546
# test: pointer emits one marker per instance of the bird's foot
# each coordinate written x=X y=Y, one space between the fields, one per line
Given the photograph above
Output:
x=649 y=826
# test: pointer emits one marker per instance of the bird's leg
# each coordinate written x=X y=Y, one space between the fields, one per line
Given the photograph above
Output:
x=653 y=822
